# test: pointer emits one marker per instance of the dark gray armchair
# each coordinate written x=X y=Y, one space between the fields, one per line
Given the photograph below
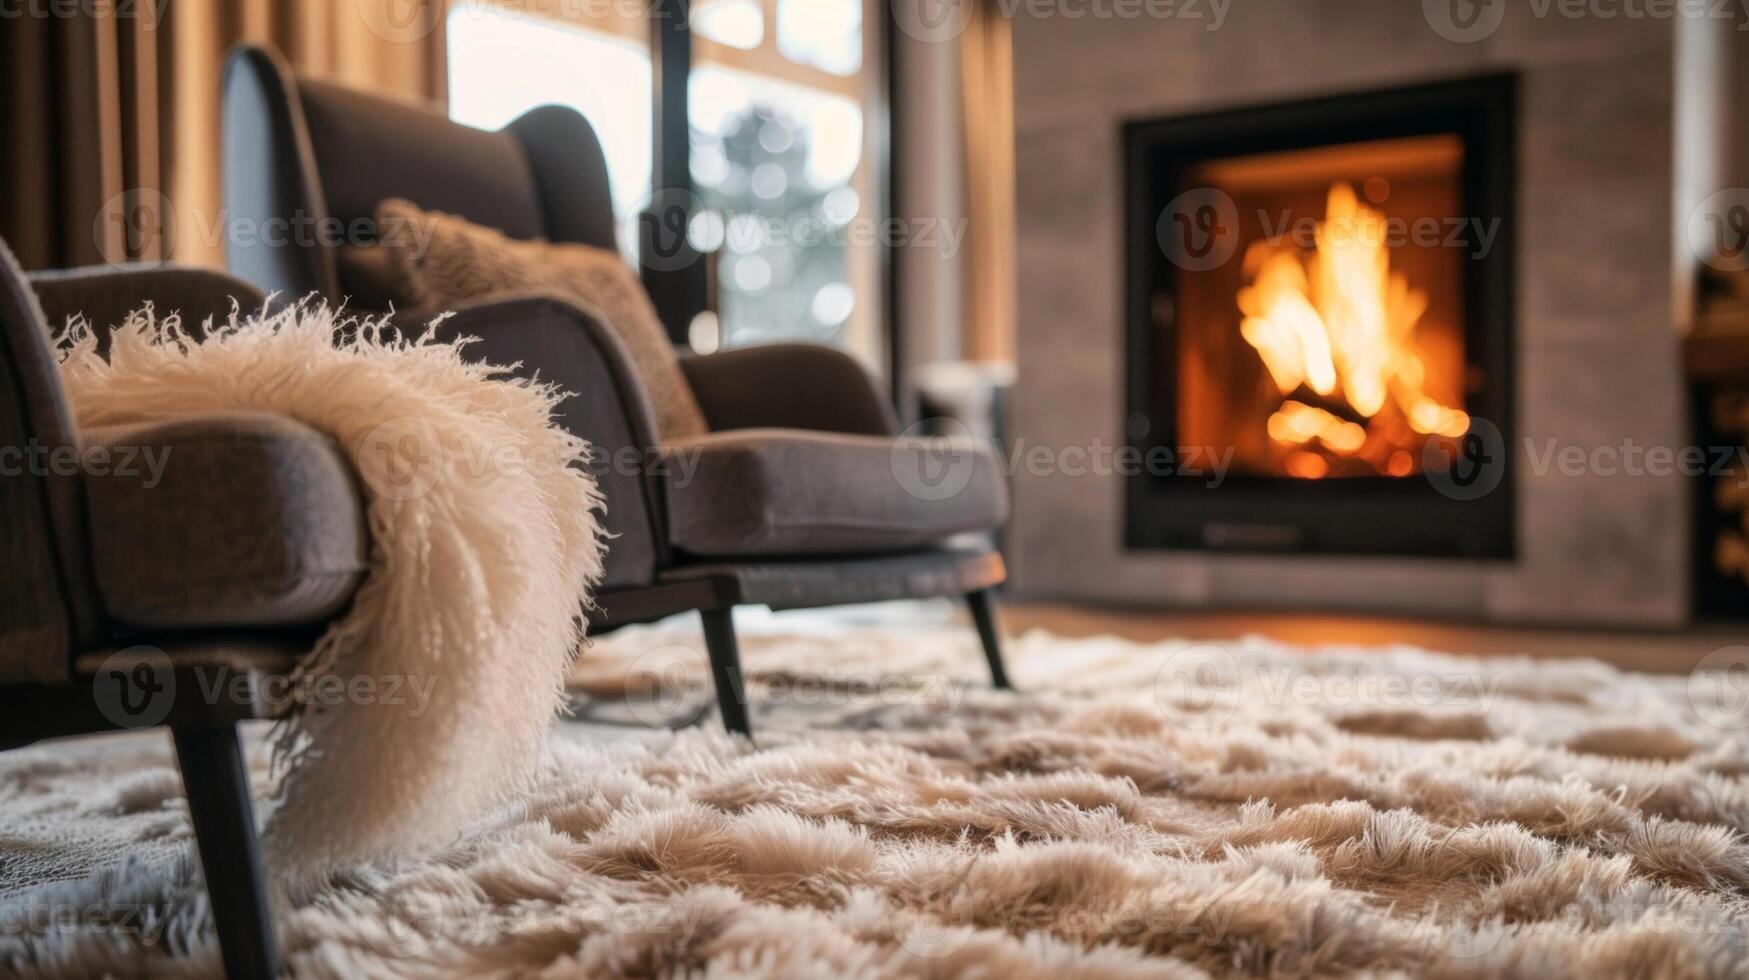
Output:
x=801 y=494
x=163 y=573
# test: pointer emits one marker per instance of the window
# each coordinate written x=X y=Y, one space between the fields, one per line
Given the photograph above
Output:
x=503 y=62
x=826 y=34
x=778 y=138
x=778 y=105
x=737 y=23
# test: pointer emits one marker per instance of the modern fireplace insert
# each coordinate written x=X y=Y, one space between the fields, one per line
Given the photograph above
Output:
x=1320 y=300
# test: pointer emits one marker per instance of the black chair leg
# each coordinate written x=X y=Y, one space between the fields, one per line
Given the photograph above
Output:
x=719 y=640
x=217 y=782
x=983 y=603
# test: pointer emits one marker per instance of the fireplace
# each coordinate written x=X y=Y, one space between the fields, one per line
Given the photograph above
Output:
x=1320 y=302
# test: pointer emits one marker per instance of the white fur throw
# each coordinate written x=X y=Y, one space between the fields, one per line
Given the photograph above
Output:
x=478 y=573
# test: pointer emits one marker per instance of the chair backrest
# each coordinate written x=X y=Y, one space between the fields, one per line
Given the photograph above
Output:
x=308 y=156
x=303 y=151
x=42 y=548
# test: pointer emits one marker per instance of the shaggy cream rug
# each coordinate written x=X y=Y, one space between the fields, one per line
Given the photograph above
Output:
x=1142 y=811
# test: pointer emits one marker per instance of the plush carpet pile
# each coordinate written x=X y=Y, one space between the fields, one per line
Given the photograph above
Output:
x=1142 y=811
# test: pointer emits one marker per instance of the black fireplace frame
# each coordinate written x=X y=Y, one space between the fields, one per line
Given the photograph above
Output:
x=1372 y=516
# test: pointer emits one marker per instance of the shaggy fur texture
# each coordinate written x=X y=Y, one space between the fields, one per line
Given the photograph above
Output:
x=1169 y=810
x=478 y=567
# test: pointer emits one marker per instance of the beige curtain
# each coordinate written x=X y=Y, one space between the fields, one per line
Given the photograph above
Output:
x=987 y=268
x=111 y=124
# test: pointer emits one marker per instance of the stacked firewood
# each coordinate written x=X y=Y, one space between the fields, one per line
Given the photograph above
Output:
x=1724 y=308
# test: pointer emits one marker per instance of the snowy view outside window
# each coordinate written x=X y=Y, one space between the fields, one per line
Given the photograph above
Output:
x=776 y=127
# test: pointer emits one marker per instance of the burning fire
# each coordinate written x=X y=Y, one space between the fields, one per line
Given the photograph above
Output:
x=1335 y=330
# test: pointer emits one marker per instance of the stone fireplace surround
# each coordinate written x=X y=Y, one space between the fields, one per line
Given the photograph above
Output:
x=1599 y=282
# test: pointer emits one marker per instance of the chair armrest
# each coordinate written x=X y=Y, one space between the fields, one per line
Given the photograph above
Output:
x=789 y=386
x=105 y=295
x=556 y=342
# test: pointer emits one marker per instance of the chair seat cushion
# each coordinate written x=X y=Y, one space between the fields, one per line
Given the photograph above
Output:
x=761 y=492
x=222 y=521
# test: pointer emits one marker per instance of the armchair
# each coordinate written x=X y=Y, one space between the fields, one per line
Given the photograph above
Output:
x=135 y=595
x=797 y=497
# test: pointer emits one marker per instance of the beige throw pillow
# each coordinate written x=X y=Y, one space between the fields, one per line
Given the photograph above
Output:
x=463 y=263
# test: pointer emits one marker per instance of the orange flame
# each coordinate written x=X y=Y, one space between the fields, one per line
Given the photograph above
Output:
x=1339 y=324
